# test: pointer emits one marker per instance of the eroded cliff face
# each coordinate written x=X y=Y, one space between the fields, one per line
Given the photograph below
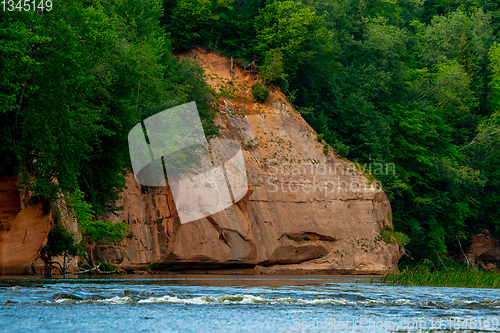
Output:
x=23 y=228
x=306 y=210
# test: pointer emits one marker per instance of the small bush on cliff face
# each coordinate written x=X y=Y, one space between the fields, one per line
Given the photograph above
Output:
x=260 y=92
x=326 y=146
x=93 y=230
x=99 y=231
x=394 y=237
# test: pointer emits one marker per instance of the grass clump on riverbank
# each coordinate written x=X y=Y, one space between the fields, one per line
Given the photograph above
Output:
x=423 y=275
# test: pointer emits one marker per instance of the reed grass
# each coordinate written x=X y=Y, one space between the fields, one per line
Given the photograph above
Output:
x=453 y=277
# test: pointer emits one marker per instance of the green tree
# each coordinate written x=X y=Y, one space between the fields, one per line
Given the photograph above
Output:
x=196 y=22
x=292 y=32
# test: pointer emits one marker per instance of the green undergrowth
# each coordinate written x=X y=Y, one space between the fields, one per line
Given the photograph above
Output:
x=260 y=92
x=423 y=275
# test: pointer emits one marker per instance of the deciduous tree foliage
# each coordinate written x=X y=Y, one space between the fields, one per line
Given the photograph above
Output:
x=74 y=81
x=410 y=82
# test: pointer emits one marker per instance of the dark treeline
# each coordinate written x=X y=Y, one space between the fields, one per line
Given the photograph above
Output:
x=410 y=82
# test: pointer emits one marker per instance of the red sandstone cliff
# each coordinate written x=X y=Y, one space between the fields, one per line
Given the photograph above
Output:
x=23 y=228
x=285 y=223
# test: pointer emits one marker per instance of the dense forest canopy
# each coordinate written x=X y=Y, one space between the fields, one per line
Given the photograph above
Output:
x=410 y=82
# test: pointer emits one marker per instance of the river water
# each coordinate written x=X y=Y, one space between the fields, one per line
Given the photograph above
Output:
x=241 y=304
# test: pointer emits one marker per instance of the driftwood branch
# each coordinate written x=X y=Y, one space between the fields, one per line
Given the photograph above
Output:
x=96 y=269
x=247 y=67
x=69 y=211
x=442 y=263
x=467 y=259
x=232 y=68
x=87 y=271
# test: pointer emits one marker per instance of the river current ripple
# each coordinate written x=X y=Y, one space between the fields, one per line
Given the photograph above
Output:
x=241 y=304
